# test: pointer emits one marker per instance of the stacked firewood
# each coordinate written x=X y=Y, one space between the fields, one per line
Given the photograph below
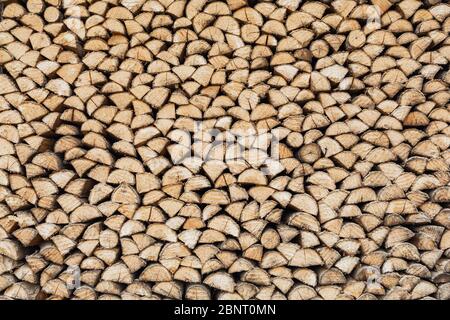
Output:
x=229 y=149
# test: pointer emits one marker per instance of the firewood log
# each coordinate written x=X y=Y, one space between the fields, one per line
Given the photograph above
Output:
x=227 y=149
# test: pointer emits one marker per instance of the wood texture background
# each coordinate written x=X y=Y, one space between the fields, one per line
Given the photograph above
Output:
x=224 y=149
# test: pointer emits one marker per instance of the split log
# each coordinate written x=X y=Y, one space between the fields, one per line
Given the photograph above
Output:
x=224 y=150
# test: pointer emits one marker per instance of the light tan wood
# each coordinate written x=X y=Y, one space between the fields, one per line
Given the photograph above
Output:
x=224 y=149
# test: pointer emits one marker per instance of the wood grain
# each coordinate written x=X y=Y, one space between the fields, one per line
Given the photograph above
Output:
x=230 y=149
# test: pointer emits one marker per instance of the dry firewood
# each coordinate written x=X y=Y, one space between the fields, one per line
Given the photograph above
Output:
x=224 y=150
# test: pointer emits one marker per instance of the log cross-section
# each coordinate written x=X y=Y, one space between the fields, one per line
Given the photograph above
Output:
x=224 y=149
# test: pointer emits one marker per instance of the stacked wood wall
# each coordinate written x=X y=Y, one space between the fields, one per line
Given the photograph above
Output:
x=231 y=149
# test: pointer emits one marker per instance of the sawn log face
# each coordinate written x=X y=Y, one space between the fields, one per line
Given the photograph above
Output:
x=226 y=149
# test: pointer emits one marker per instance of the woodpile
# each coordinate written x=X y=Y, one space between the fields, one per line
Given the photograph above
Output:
x=229 y=149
